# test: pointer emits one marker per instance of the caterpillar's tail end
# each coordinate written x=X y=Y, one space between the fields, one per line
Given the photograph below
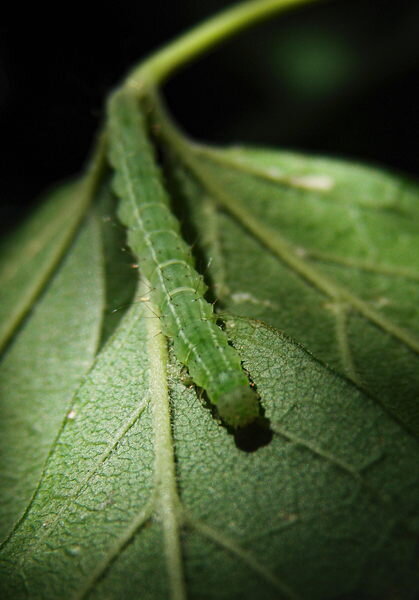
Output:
x=238 y=407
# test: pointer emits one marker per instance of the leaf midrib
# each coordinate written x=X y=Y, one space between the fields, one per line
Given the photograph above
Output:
x=164 y=501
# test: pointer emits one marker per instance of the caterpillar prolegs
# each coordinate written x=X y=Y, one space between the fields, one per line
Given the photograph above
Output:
x=177 y=289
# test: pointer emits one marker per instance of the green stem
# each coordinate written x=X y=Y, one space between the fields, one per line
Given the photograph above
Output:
x=154 y=70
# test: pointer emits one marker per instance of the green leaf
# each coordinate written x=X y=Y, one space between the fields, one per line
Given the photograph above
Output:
x=324 y=250
x=125 y=511
x=119 y=482
x=44 y=366
x=29 y=257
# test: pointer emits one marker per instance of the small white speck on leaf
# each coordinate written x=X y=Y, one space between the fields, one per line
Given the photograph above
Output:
x=73 y=550
x=274 y=172
x=382 y=301
x=300 y=251
x=241 y=297
x=322 y=183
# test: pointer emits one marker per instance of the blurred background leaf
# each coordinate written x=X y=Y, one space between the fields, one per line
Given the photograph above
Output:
x=337 y=78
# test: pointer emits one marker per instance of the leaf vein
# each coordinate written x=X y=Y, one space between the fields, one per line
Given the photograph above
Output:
x=231 y=546
x=284 y=251
x=115 y=550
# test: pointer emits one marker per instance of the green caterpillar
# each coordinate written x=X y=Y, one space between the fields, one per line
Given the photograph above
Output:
x=166 y=261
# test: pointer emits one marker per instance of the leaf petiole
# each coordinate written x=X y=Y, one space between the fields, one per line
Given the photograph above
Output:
x=163 y=63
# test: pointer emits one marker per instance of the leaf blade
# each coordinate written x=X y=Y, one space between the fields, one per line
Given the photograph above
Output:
x=357 y=313
x=309 y=515
x=39 y=373
x=30 y=255
x=320 y=478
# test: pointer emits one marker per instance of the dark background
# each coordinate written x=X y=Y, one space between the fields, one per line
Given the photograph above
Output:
x=337 y=78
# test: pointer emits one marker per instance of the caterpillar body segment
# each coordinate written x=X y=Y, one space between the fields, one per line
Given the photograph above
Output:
x=177 y=290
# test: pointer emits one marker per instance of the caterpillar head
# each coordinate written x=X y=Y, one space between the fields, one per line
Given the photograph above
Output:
x=239 y=406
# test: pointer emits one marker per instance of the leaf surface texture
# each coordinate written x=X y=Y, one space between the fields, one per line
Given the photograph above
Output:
x=127 y=486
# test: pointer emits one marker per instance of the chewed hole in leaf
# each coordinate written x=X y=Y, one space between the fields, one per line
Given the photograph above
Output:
x=249 y=438
x=254 y=436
